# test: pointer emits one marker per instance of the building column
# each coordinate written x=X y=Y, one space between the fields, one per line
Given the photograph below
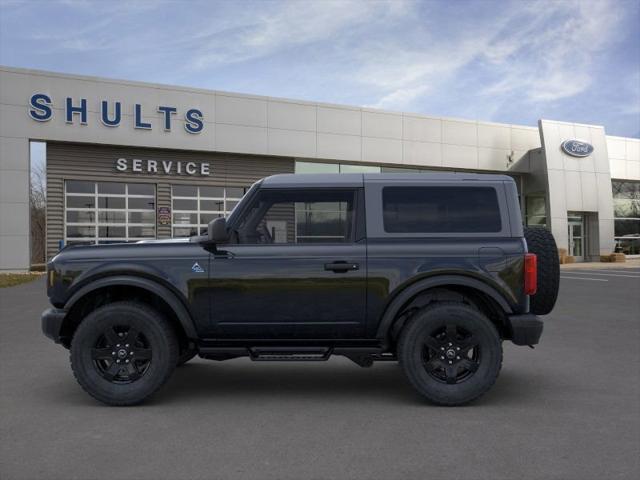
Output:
x=15 y=241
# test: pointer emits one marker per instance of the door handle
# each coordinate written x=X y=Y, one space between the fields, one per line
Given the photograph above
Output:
x=222 y=254
x=341 y=266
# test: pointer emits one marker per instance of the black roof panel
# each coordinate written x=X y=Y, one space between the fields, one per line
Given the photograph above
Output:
x=358 y=179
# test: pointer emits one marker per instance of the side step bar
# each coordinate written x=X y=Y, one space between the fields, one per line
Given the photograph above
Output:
x=289 y=354
x=363 y=356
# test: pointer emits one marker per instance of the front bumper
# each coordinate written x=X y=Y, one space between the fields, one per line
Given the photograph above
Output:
x=52 y=320
x=526 y=329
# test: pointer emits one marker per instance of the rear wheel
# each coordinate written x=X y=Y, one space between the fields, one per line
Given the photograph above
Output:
x=123 y=352
x=541 y=242
x=451 y=353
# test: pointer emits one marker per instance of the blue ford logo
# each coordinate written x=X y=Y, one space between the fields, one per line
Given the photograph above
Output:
x=576 y=148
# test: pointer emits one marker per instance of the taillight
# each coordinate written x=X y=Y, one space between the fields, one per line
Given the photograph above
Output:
x=530 y=273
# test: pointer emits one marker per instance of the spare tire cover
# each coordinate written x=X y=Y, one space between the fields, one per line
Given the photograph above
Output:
x=541 y=242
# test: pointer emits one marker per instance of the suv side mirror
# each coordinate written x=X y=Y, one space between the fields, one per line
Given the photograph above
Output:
x=217 y=230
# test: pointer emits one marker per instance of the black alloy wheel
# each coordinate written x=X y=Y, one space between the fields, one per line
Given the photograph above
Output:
x=450 y=352
x=123 y=352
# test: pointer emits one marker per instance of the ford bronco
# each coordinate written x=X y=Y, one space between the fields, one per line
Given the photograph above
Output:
x=432 y=270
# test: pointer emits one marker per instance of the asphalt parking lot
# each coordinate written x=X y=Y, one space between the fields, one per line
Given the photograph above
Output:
x=570 y=409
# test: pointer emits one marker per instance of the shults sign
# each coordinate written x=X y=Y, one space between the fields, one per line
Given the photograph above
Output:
x=41 y=109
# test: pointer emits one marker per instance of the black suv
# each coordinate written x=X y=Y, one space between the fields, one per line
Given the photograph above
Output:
x=431 y=270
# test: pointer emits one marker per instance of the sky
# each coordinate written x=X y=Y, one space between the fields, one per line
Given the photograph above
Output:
x=502 y=61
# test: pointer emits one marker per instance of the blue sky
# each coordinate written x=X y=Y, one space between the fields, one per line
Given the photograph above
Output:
x=511 y=62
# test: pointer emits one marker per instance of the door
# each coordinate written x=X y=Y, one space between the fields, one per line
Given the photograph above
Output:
x=296 y=268
x=576 y=236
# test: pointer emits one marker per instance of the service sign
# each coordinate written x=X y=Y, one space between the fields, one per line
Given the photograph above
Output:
x=164 y=167
x=577 y=148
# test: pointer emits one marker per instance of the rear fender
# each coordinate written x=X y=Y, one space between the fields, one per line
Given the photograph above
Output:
x=441 y=281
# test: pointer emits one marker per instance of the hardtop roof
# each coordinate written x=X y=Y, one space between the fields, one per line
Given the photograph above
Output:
x=359 y=179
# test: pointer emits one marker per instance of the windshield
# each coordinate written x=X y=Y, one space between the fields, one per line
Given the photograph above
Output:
x=234 y=213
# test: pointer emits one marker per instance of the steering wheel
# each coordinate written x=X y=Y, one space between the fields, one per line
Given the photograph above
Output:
x=266 y=235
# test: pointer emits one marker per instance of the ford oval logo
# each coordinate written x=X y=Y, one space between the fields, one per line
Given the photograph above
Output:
x=577 y=148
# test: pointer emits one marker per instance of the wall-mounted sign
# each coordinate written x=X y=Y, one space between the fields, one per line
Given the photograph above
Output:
x=41 y=109
x=163 y=167
x=164 y=216
x=577 y=148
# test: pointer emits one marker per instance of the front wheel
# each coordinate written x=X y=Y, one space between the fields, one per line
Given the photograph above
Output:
x=451 y=353
x=123 y=352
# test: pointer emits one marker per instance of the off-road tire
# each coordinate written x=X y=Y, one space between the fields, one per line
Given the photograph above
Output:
x=412 y=357
x=541 y=242
x=155 y=338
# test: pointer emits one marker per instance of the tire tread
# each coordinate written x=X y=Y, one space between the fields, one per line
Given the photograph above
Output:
x=541 y=242
x=402 y=344
x=161 y=321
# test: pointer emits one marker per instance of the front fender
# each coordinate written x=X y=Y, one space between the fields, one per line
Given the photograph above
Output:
x=167 y=295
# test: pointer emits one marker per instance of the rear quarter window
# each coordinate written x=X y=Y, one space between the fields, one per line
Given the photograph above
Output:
x=441 y=210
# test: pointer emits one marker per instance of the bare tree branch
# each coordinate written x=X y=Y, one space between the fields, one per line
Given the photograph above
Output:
x=37 y=207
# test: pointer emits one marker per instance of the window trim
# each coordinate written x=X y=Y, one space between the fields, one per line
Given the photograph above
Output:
x=357 y=211
x=375 y=210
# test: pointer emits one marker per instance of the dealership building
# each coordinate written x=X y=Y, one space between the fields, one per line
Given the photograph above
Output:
x=127 y=161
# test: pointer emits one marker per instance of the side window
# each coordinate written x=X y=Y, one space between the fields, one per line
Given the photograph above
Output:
x=299 y=216
x=440 y=210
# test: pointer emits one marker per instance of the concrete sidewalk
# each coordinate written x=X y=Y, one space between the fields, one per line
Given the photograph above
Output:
x=630 y=263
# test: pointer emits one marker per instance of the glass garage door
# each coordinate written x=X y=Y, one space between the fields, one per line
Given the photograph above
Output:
x=109 y=212
x=194 y=207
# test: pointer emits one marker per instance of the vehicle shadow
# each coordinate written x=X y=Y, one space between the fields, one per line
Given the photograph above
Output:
x=383 y=383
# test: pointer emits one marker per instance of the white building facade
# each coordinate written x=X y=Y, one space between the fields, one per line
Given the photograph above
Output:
x=128 y=161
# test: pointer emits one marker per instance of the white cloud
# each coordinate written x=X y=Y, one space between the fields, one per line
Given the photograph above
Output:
x=401 y=55
x=405 y=75
x=539 y=51
x=400 y=97
x=549 y=59
x=256 y=34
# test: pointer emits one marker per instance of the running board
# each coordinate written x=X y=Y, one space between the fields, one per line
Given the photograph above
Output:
x=363 y=356
x=289 y=354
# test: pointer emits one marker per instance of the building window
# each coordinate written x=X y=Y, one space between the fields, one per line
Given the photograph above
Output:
x=109 y=212
x=626 y=212
x=535 y=210
x=317 y=167
x=194 y=207
x=323 y=221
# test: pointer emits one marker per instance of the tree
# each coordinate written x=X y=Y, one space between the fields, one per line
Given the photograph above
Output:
x=37 y=212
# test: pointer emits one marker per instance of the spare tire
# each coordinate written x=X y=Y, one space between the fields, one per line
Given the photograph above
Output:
x=541 y=242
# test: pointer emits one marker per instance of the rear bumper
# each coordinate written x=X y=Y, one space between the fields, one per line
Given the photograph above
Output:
x=51 y=320
x=526 y=329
